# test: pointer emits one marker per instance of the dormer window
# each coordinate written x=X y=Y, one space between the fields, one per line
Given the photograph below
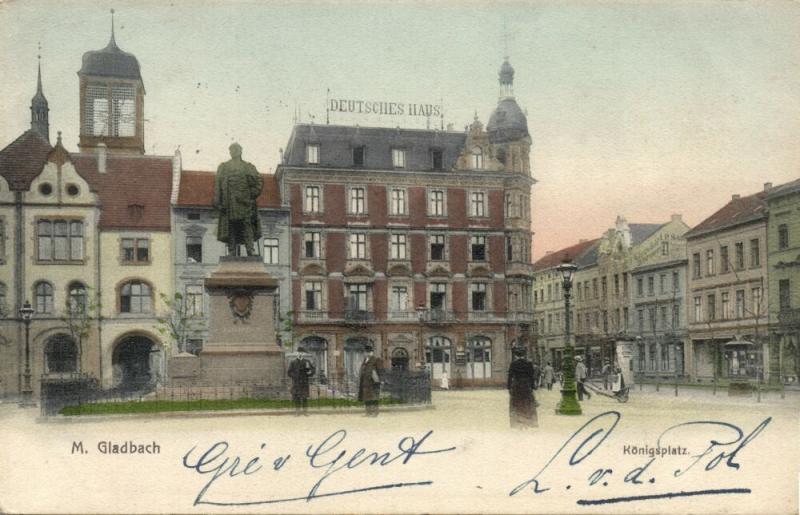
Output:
x=437 y=160
x=312 y=154
x=135 y=212
x=398 y=158
x=358 y=155
x=477 y=158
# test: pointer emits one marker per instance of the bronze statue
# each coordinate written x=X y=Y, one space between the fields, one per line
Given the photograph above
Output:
x=237 y=186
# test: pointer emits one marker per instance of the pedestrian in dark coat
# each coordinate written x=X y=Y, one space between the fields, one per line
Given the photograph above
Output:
x=522 y=404
x=369 y=382
x=300 y=371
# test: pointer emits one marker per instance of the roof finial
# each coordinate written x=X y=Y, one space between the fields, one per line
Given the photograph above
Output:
x=113 y=41
x=39 y=76
x=58 y=141
x=506 y=35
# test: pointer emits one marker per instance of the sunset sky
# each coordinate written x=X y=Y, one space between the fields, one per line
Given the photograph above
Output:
x=641 y=110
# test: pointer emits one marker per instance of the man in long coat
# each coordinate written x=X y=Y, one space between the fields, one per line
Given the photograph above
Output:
x=548 y=376
x=369 y=382
x=300 y=371
x=522 y=405
x=236 y=188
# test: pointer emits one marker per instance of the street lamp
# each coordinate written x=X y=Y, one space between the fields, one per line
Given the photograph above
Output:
x=569 y=402
x=26 y=313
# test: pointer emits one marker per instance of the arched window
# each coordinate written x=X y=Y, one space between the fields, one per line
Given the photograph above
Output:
x=44 y=297
x=437 y=354
x=61 y=355
x=77 y=297
x=479 y=358
x=400 y=359
x=135 y=297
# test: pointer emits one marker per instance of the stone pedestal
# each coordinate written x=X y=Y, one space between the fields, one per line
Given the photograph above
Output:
x=241 y=345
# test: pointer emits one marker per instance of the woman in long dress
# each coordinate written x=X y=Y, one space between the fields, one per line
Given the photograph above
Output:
x=522 y=405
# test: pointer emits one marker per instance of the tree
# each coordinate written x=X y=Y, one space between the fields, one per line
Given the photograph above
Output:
x=181 y=321
x=82 y=306
x=288 y=336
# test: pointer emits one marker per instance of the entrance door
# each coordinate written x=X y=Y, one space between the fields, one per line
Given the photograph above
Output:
x=318 y=348
x=437 y=355
x=354 y=355
x=134 y=364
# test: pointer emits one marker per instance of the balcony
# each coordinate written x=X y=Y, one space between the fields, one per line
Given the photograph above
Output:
x=520 y=316
x=790 y=317
x=312 y=316
x=405 y=316
x=437 y=316
x=358 y=316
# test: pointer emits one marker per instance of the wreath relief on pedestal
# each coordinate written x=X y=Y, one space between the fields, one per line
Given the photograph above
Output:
x=241 y=303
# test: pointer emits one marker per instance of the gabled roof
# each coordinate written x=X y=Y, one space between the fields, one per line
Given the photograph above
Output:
x=573 y=253
x=23 y=159
x=130 y=181
x=197 y=190
x=337 y=142
x=737 y=211
x=640 y=232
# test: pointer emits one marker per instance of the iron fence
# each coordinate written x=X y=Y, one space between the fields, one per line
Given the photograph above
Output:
x=398 y=387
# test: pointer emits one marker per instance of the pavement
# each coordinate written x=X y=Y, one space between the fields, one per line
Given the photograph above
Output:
x=399 y=471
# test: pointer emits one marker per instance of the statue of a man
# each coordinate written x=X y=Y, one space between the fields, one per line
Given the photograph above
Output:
x=237 y=186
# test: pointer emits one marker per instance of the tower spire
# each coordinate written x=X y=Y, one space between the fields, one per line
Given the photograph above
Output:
x=39 y=108
x=113 y=41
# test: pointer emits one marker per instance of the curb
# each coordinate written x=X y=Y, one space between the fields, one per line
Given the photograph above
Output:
x=69 y=419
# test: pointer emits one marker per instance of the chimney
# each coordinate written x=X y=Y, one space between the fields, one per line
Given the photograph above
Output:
x=735 y=196
x=101 y=157
x=176 y=176
x=767 y=186
x=677 y=217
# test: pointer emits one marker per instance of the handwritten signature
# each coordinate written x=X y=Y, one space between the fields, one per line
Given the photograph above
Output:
x=726 y=442
x=329 y=456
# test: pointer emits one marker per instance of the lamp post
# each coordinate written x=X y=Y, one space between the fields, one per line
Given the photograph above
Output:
x=569 y=402
x=26 y=313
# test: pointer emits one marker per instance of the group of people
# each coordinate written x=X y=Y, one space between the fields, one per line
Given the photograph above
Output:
x=524 y=377
x=301 y=370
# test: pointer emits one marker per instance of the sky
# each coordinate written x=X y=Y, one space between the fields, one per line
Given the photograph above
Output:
x=635 y=109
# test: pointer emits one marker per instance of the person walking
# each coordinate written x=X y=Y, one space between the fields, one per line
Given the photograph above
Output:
x=537 y=375
x=580 y=377
x=300 y=371
x=522 y=403
x=548 y=376
x=607 y=375
x=369 y=382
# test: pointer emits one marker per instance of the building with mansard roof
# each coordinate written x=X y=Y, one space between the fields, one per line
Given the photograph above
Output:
x=415 y=241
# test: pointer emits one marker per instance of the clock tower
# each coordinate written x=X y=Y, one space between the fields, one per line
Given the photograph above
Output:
x=111 y=100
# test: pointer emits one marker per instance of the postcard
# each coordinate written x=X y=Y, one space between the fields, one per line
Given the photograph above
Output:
x=399 y=257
